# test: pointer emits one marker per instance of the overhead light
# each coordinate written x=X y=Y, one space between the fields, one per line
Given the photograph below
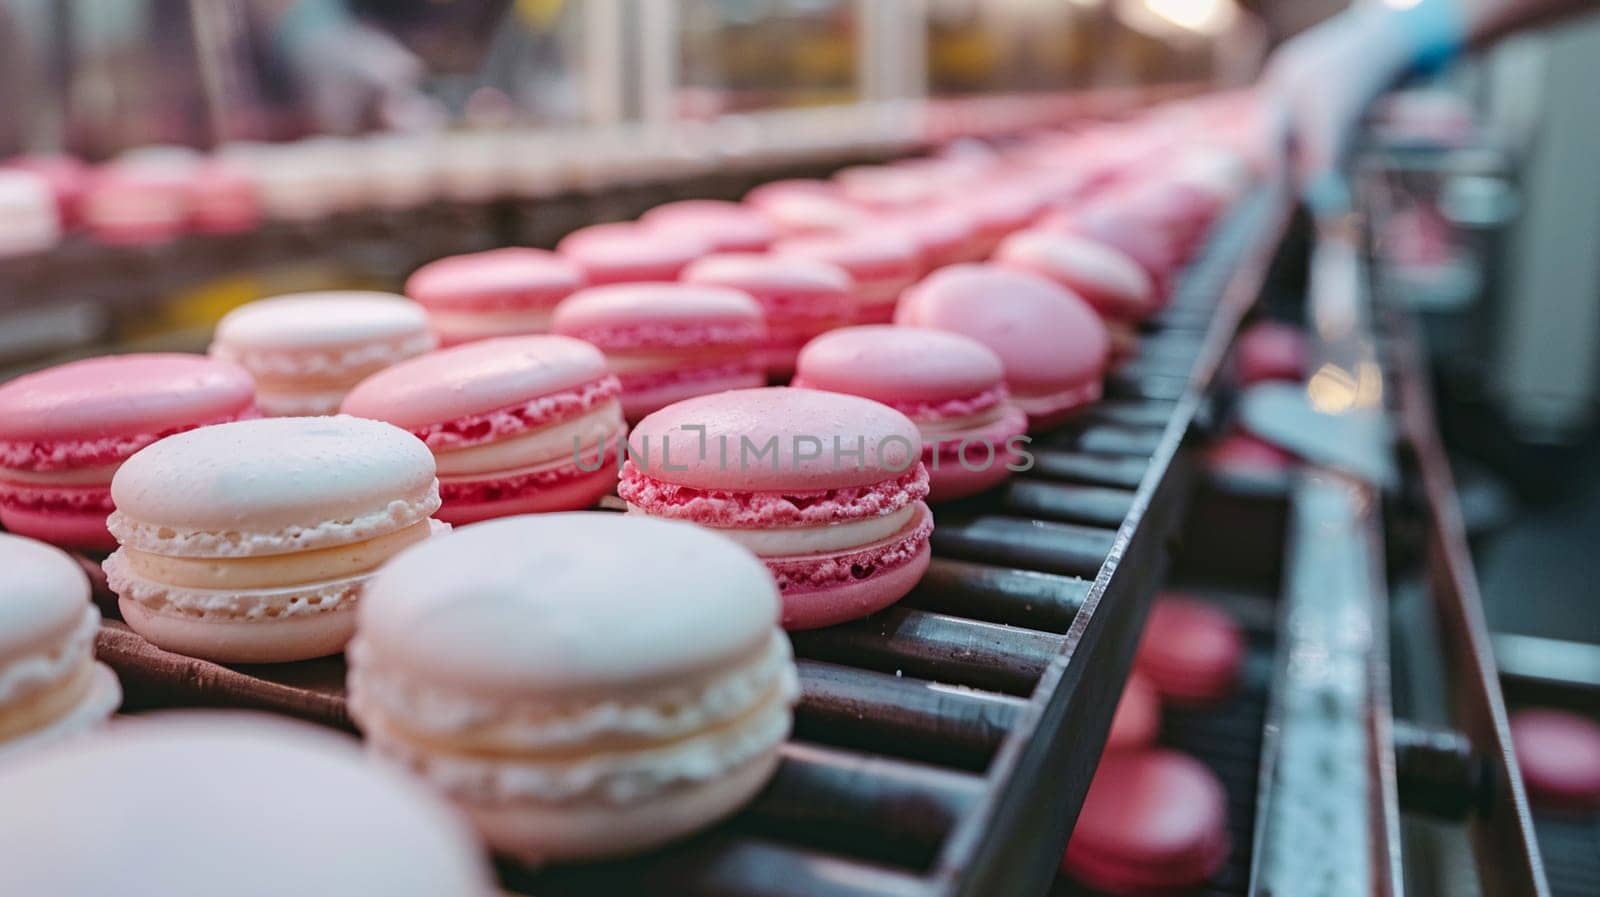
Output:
x=1178 y=18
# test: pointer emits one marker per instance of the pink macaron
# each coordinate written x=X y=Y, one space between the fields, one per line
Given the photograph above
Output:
x=626 y=252
x=882 y=263
x=951 y=386
x=67 y=177
x=1270 y=350
x=1053 y=345
x=223 y=199
x=1138 y=716
x=1120 y=290
x=501 y=292
x=134 y=203
x=800 y=297
x=724 y=226
x=669 y=341
x=1154 y=822
x=1192 y=651
x=65 y=430
x=517 y=424
x=825 y=488
x=944 y=234
x=801 y=207
x=1559 y=753
x=1001 y=209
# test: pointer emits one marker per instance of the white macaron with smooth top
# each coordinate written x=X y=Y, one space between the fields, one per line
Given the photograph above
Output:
x=584 y=684
x=250 y=542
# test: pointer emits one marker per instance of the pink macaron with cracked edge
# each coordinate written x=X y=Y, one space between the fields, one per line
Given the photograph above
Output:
x=1192 y=651
x=1154 y=822
x=1559 y=754
x=65 y=430
x=799 y=297
x=825 y=488
x=583 y=685
x=724 y=226
x=501 y=292
x=250 y=542
x=51 y=687
x=517 y=425
x=1054 y=346
x=306 y=350
x=1118 y=288
x=627 y=252
x=197 y=803
x=882 y=263
x=951 y=386
x=669 y=341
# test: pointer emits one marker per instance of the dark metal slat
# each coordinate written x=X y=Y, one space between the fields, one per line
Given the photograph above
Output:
x=943 y=649
x=1121 y=471
x=901 y=716
x=1127 y=412
x=1107 y=439
x=721 y=864
x=1030 y=544
x=860 y=806
x=1067 y=502
x=1145 y=387
x=1026 y=598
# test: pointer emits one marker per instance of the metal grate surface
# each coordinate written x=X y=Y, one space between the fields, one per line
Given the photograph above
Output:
x=1571 y=849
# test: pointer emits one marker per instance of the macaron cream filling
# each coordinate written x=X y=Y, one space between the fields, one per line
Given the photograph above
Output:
x=804 y=540
x=274 y=570
x=566 y=440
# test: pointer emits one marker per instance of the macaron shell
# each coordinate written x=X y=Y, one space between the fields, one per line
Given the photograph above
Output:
x=46 y=592
x=1138 y=716
x=475 y=379
x=794 y=422
x=1047 y=338
x=1559 y=754
x=155 y=794
x=514 y=605
x=1153 y=819
x=894 y=364
x=320 y=320
x=102 y=699
x=275 y=484
x=1191 y=651
x=498 y=280
x=1107 y=279
x=125 y=398
x=622 y=307
x=625 y=252
x=81 y=530
x=816 y=608
x=576 y=491
x=725 y=226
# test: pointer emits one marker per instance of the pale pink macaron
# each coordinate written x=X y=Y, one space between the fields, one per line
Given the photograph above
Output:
x=65 y=430
x=627 y=252
x=724 y=226
x=800 y=298
x=882 y=263
x=250 y=542
x=50 y=685
x=67 y=177
x=501 y=292
x=1118 y=288
x=30 y=220
x=802 y=207
x=517 y=424
x=945 y=234
x=1000 y=209
x=951 y=386
x=307 y=350
x=825 y=488
x=670 y=341
x=1053 y=344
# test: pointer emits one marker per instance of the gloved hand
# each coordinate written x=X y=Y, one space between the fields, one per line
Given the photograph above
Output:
x=1321 y=82
x=352 y=74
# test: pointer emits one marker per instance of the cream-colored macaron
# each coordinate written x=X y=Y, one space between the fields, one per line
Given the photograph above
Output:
x=306 y=350
x=250 y=542
x=584 y=684
x=50 y=685
x=203 y=804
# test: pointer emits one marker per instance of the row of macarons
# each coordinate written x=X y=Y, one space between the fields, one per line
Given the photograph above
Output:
x=152 y=194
